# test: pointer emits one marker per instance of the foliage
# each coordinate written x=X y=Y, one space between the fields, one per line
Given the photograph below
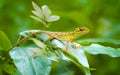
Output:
x=5 y=43
x=33 y=57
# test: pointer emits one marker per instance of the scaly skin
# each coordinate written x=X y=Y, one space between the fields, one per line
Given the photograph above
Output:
x=67 y=36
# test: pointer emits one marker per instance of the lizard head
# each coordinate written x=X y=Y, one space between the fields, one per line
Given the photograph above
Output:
x=80 y=31
x=83 y=29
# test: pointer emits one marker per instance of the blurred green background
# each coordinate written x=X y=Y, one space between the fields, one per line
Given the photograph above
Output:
x=100 y=16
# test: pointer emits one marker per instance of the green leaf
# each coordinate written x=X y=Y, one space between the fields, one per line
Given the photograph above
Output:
x=77 y=56
x=80 y=63
x=29 y=65
x=17 y=73
x=99 y=49
x=5 y=43
x=101 y=40
x=8 y=68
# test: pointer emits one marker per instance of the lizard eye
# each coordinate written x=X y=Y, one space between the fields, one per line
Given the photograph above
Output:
x=81 y=29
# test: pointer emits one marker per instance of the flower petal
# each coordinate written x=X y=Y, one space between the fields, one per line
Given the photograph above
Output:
x=46 y=11
x=38 y=14
x=38 y=11
x=38 y=19
x=35 y=6
x=53 y=18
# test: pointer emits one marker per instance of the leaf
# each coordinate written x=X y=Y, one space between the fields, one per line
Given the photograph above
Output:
x=77 y=56
x=5 y=43
x=28 y=65
x=99 y=49
x=60 y=70
x=17 y=73
x=80 y=63
x=8 y=68
x=102 y=40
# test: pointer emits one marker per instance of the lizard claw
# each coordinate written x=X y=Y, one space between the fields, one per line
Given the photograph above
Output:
x=75 y=45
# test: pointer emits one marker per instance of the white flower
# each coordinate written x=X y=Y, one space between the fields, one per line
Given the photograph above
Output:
x=43 y=14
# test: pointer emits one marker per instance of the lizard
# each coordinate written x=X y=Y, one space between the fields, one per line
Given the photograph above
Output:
x=66 y=36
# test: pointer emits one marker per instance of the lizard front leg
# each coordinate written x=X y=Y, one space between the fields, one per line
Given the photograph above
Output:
x=68 y=41
x=74 y=45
